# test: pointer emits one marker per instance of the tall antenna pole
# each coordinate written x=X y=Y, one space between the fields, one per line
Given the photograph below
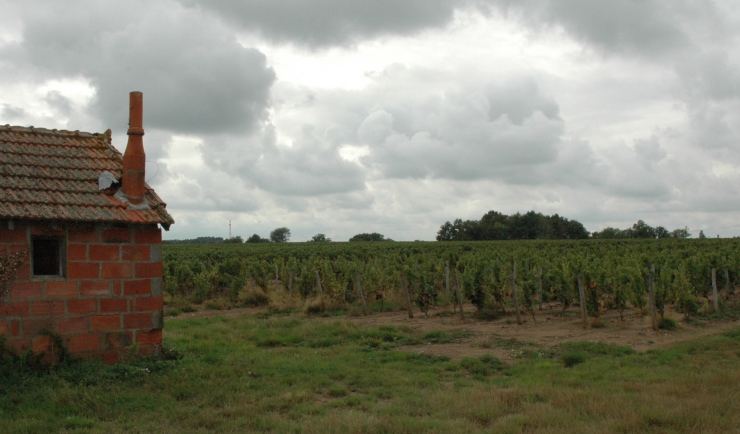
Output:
x=229 y=229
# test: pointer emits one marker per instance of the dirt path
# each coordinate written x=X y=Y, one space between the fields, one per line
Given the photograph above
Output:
x=505 y=339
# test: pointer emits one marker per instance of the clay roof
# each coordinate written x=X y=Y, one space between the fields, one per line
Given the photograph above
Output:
x=53 y=175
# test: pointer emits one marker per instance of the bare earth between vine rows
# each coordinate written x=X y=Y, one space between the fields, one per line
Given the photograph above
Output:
x=505 y=339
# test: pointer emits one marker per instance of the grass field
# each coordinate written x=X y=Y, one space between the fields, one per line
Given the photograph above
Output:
x=289 y=373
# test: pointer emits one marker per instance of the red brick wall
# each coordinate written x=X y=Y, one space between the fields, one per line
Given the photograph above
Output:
x=109 y=300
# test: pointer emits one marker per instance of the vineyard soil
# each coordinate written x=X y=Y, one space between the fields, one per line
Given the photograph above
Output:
x=504 y=339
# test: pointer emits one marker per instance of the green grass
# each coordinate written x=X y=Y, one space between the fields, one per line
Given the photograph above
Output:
x=297 y=375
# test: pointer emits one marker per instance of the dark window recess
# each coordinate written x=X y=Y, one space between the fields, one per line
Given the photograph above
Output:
x=46 y=257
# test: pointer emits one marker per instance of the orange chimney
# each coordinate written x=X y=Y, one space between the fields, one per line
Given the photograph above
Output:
x=134 y=158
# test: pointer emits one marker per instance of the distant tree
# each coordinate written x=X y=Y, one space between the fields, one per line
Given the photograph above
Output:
x=234 y=240
x=701 y=235
x=369 y=237
x=199 y=240
x=610 y=233
x=494 y=226
x=320 y=238
x=446 y=232
x=642 y=230
x=459 y=230
x=574 y=230
x=681 y=233
x=257 y=239
x=661 y=232
x=280 y=235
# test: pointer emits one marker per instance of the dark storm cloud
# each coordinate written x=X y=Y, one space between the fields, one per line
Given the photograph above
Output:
x=325 y=23
x=646 y=27
x=195 y=76
x=696 y=39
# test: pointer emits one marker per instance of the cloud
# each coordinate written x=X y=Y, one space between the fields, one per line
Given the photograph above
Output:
x=649 y=151
x=59 y=102
x=326 y=23
x=195 y=76
x=416 y=123
x=694 y=40
x=405 y=131
x=11 y=112
x=519 y=100
x=310 y=165
x=397 y=116
x=649 y=28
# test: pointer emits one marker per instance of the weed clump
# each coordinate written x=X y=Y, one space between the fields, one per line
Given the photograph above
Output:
x=482 y=366
x=667 y=324
x=489 y=314
x=253 y=295
x=442 y=337
x=598 y=323
x=595 y=348
x=573 y=359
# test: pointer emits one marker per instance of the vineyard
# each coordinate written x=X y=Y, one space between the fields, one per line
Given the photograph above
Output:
x=499 y=278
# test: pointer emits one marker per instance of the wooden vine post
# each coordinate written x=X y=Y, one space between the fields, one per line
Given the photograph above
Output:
x=458 y=291
x=539 y=287
x=727 y=282
x=715 y=293
x=358 y=284
x=582 y=301
x=447 y=283
x=514 y=294
x=321 y=290
x=651 y=297
x=405 y=286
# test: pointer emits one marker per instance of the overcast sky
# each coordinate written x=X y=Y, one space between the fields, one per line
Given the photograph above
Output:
x=350 y=116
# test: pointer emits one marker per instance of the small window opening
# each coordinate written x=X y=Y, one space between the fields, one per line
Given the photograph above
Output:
x=47 y=257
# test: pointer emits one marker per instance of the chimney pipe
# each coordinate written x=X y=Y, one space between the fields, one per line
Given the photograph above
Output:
x=134 y=159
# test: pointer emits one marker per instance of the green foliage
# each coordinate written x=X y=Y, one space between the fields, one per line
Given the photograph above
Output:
x=641 y=230
x=320 y=238
x=335 y=376
x=482 y=366
x=199 y=240
x=595 y=348
x=667 y=324
x=496 y=226
x=280 y=235
x=572 y=359
x=254 y=239
x=615 y=272
x=442 y=337
x=473 y=285
x=369 y=237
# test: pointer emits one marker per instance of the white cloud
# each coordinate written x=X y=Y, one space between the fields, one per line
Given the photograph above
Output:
x=347 y=117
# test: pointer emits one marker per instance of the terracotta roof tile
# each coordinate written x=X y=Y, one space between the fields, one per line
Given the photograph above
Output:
x=53 y=175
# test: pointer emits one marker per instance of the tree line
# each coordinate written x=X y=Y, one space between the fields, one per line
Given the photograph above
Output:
x=279 y=235
x=643 y=230
x=498 y=226
x=492 y=226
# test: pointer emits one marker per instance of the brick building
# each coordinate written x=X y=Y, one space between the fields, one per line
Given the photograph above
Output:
x=91 y=228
